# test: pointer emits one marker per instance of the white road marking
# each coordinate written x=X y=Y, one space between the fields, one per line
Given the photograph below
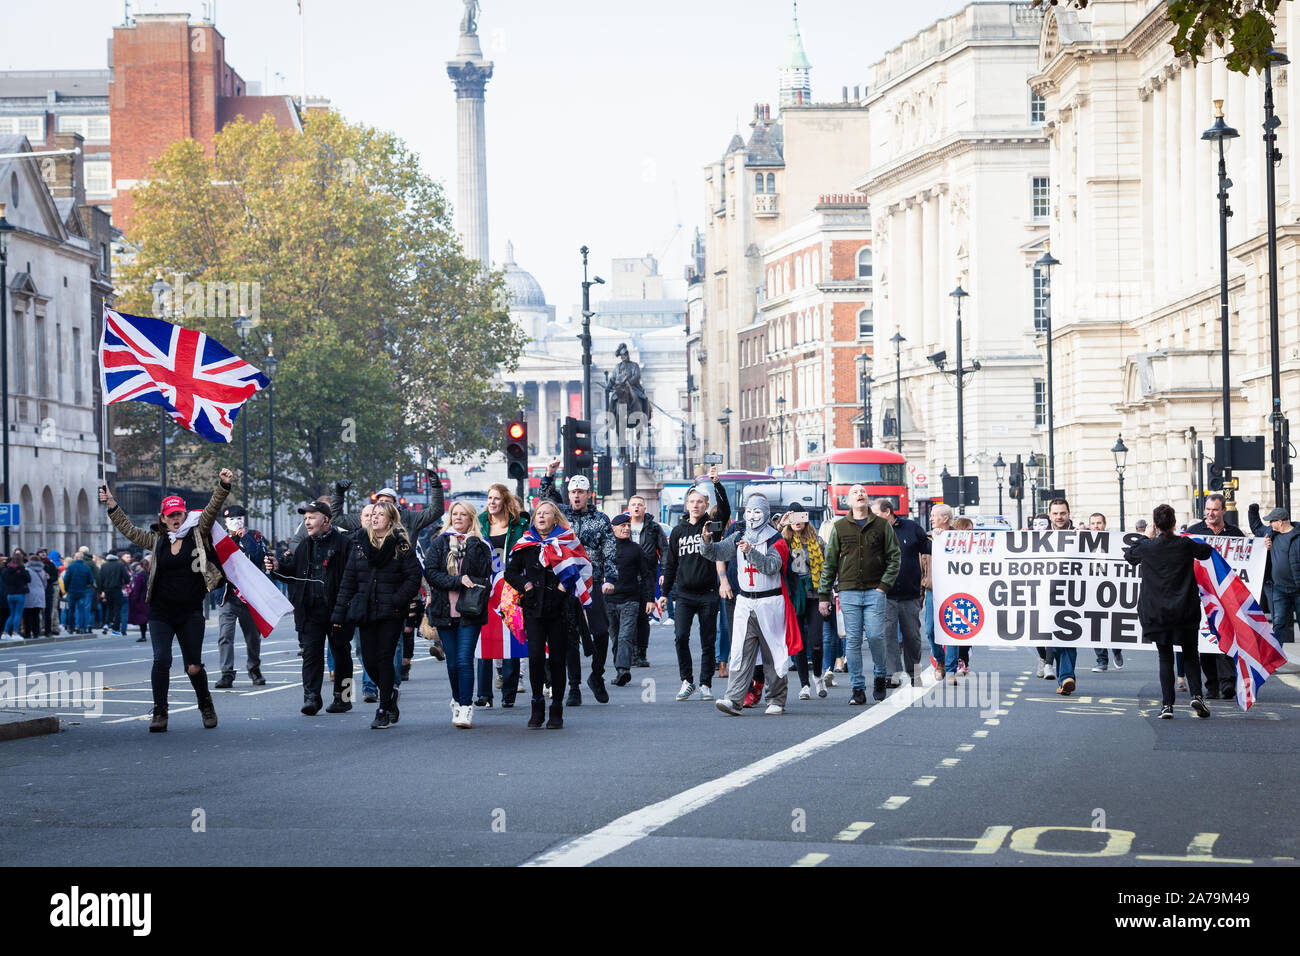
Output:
x=949 y=761
x=965 y=748
x=633 y=826
x=980 y=733
x=812 y=859
x=853 y=831
x=923 y=781
x=893 y=803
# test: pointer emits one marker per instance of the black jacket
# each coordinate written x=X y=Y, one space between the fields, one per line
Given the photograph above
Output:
x=684 y=567
x=15 y=579
x=388 y=576
x=636 y=573
x=477 y=563
x=544 y=598
x=1168 y=599
x=1229 y=530
x=315 y=594
x=654 y=542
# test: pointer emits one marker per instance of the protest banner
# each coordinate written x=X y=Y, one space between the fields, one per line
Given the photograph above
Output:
x=1054 y=588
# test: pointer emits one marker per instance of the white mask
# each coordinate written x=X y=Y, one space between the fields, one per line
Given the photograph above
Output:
x=235 y=525
x=755 y=518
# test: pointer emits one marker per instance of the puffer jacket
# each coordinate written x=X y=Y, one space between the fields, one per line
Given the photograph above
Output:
x=78 y=576
x=389 y=576
x=477 y=564
x=36 y=586
x=155 y=539
x=594 y=531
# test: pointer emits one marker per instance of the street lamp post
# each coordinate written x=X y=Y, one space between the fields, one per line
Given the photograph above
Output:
x=1046 y=261
x=1019 y=474
x=1035 y=469
x=1120 y=451
x=159 y=288
x=243 y=325
x=1220 y=133
x=959 y=294
x=6 y=227
x=780 y=411
x=999 y=470
x=725 y=422
x=272 y=363
x=1281 y=428
x=898 y=341
x=586 y=334
x=864 y=372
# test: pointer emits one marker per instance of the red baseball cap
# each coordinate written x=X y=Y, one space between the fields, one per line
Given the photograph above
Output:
x=171 y=505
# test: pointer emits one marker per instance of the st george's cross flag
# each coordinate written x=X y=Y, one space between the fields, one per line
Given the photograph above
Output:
x=200 y=382
x=1239 y=626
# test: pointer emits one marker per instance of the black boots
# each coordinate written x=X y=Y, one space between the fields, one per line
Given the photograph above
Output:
x=199 y=682
x=539 y=712
x=159 y=723
x=557 y=717
x=227 y=680
x=338 y=705
x=311 y=704
x=255 y=675
x=597 y=685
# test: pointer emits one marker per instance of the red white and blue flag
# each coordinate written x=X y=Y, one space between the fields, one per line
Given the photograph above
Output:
x=564 y=554
x=200 y=382
x=1239 y=626
x=496 y=641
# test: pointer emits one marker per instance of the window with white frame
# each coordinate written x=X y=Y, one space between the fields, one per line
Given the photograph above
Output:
x=99 y=180
x=864 y=263
x=93 y=128
x=1040 y=402
x=1041 y=292
x=33 y=127
x=1037 y=108
x=866 y=323
x=1041 y=197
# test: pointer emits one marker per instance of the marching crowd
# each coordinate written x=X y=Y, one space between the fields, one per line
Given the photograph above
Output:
x=765 y=596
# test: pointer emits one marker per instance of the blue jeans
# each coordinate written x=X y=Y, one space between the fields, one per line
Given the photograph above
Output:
x=1065 y=658
x=459 y=641
x=832 y=643
x=79 y=612
x=864 y=616
x=1286 y=611
x=937 y=651
x=14 y=623
x=509 y=678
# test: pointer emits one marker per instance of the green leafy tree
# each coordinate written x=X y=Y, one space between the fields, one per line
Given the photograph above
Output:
x=387 y=337
x=1244 y=29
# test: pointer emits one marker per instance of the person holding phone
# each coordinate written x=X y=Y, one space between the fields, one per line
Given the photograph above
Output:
x=695 y=579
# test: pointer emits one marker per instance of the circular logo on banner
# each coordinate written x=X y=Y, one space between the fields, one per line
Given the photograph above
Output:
x=961 y=616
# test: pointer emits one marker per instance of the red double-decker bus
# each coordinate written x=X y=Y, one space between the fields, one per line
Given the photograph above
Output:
x=882 y=473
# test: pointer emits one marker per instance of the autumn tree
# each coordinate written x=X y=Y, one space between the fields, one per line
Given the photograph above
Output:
x=388 y=338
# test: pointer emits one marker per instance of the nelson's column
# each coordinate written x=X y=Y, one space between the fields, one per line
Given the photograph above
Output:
x=470 y=73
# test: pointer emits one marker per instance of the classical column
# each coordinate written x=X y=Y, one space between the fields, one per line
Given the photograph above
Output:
x=1173 y=177
x=915 y=281
x=1159 y=190
x=543 y=420
x=470 y=74
x=930 y=278
x=1188 y=193
x=1204 y=186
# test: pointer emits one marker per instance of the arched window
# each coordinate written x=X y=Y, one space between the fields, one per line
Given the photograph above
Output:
x=758 y=182
x=866 y=324
x=771 y=182
x=816 y=267
x=864 y=263
x=771 y=283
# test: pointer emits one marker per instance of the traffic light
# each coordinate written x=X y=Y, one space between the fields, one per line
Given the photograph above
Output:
x=1216 y=476
x=1016 y=482
x=517 y=450
x=577 y=448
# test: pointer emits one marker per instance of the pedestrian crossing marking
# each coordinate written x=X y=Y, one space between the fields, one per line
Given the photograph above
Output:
x=893 y=803
x=853 y=831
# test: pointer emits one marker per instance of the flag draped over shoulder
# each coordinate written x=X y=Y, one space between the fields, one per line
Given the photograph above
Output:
x=1239 y=626
x=563 y=553
x=502 y=637
x=201 y=383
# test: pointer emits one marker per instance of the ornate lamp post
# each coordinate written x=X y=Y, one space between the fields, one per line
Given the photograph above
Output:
x=898 y=341
x=272 y=364
x=1034 y=467
x=1046 y=261
x=1120 y=451
x=780 y=411
x=1000 y=470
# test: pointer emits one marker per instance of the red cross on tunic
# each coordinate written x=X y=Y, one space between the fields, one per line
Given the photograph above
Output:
x=751 y=571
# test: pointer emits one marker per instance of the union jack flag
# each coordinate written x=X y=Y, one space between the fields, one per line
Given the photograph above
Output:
x=498 y=639
x=200 y=382
x=564 y=554
x=1239 y=626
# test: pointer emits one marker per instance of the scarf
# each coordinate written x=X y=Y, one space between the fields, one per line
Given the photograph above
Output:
x=563 y=553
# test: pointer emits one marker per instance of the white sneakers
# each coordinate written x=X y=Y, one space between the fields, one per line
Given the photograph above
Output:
x=706 y=692
x=805 y=692
x=462 y=716
x=1042 y=665
x=829 y=678
x=774 y=710
x=687 y=690
x=1049 y=670
x=821 y=687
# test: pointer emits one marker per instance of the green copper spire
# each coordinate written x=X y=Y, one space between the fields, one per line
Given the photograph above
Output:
x=798 y=59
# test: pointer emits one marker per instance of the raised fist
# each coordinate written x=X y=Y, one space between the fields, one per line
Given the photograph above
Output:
x=342 y=485
x=226 y=476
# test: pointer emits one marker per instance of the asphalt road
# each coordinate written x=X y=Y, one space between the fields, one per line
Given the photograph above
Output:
x=1006 y=773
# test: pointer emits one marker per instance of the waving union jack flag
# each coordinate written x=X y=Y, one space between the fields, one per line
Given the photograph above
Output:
x=200 y=382
x=1239 y=626
x=564 y=554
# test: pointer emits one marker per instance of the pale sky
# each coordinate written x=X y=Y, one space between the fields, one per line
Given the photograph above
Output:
x=601 y=114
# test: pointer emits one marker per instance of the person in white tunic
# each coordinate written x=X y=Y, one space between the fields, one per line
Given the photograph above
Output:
x=764 y=622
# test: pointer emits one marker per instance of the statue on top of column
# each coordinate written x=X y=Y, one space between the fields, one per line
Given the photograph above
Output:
x=469 y=23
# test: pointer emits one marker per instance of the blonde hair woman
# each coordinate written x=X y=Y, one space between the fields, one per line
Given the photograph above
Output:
x=549 y=568
x=459 y=562
x=381 y=579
